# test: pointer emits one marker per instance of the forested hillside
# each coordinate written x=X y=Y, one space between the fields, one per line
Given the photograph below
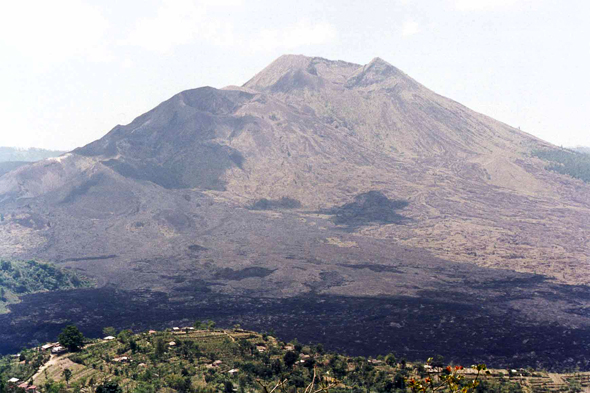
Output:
x=18 y=278
x=567 y=162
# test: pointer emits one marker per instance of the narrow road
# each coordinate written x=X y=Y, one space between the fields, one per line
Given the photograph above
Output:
x=52 y=360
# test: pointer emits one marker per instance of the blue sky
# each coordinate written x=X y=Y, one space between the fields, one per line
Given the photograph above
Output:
x=71 y=70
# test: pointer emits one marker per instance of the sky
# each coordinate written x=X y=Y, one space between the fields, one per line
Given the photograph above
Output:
x=70 y=70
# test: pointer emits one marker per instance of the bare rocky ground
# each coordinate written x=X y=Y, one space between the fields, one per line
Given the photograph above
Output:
x=159 y=212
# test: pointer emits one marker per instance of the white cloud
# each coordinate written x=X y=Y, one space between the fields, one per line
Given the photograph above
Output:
x=474 y=5
x=300 y=34
x=54 y=31
x=410 y=27
x=180 y=22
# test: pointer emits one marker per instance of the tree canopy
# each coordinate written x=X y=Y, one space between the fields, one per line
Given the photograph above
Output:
x=71 y=338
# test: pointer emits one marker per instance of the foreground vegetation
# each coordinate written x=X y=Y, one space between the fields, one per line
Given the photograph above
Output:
x=19 y=278
x=567 y=162
x=205 y=359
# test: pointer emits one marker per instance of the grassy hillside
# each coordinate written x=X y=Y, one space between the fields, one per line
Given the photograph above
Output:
x=237 y=360
x=19 y=278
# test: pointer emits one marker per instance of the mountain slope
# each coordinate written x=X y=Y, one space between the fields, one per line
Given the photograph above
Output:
x=322 y=132
x=393 y=191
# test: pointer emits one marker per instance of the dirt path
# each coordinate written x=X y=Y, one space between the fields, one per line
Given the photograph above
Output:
x=52 y=360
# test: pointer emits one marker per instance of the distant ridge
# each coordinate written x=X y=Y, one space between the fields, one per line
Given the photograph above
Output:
x=582 y=149
x=26 y=154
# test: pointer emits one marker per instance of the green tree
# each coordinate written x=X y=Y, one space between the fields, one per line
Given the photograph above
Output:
x=124 y=336
x=67 y=376
x=391 y=360
x=109 y=331
x=109 y=387
x=71 y=338
x=160 y=347
x=290 y=358
x=319 y=349
x=228 y=387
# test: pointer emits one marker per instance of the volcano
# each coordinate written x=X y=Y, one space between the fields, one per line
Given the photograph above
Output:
x=314 y=178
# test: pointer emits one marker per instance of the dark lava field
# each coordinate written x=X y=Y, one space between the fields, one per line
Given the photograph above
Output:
x=463 y=330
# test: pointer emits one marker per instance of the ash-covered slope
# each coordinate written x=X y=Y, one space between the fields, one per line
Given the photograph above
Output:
x=321 y=133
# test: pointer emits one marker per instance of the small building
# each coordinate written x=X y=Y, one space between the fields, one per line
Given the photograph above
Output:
x=233 y=371
x=172 y=344
x=109 y=338
x=289 y=348
x=152 y=332
x=122 y=359
x=13 y=381
x=48 y=346
x=143 y=365
x=175 y=329
x=57 y=350
x=260 y=348
x=217 y=363
x=28 y=388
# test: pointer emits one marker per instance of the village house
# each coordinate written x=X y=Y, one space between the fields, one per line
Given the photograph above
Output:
x=260 y=348
x=233 y=371
x=48 y=346
x=109 y=338
x=58 y=350
x=172 y=344
x=28 y=388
